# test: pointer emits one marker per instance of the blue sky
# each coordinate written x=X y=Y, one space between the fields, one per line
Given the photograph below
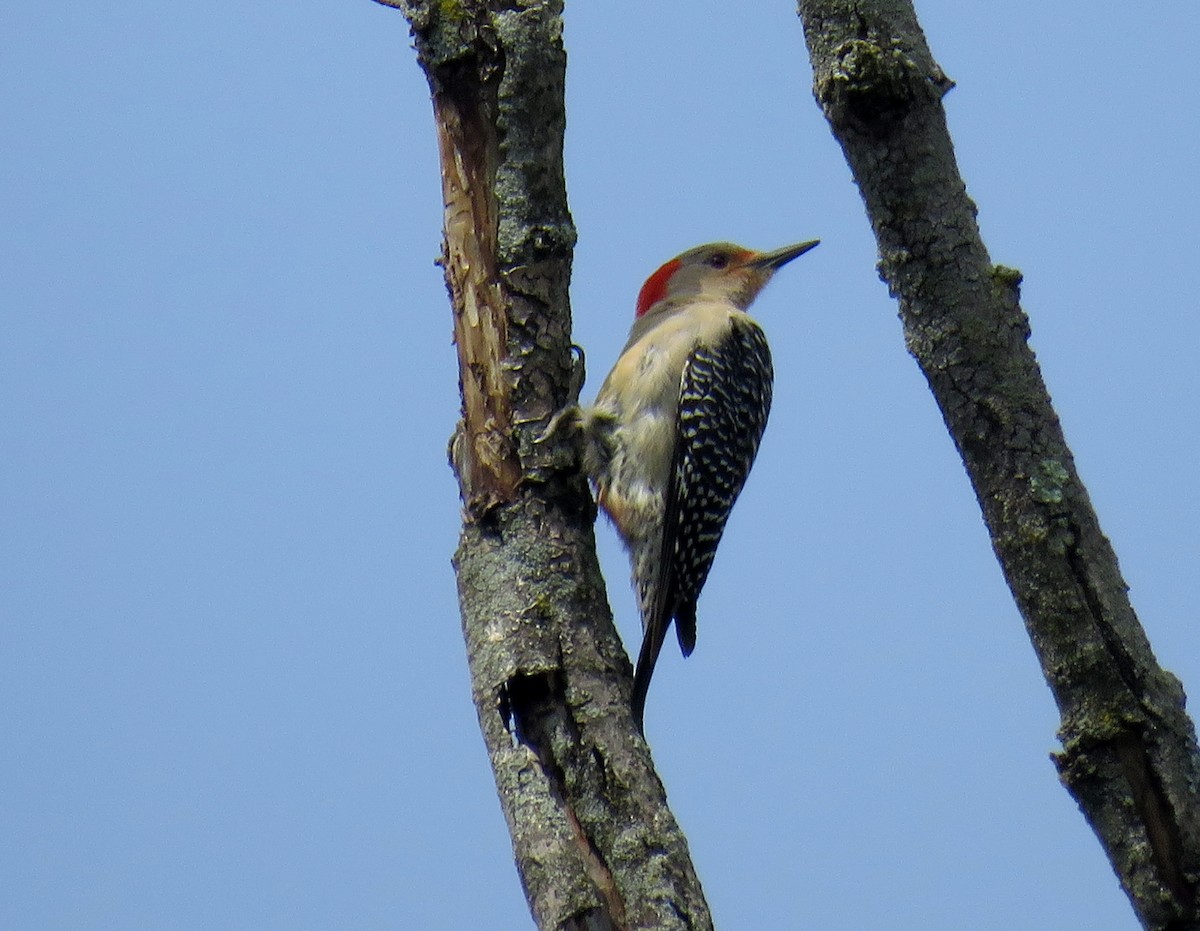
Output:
x=232 y=686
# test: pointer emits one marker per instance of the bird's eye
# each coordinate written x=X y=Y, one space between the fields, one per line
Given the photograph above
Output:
x=718 y=260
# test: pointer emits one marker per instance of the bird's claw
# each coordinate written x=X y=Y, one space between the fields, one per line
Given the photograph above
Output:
x=578 y=373
x=569 y=411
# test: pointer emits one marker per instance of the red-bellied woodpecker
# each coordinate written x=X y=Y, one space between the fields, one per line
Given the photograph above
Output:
x=673 y=432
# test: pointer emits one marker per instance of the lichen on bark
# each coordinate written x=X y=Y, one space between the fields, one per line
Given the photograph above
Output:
x=595 y=844
x=1129 y=749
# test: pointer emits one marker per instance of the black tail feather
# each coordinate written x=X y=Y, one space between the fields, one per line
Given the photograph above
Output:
x=685 y=628
x=652 y=641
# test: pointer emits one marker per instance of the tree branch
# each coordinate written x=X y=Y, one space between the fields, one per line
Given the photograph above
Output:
x=595 y=844
x=1129 y=750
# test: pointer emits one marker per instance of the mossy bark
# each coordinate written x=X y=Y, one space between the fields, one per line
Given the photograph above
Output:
x=1129 y=752
x=595 y=844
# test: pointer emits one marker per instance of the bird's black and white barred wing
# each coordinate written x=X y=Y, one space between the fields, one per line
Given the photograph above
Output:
x=725 y=397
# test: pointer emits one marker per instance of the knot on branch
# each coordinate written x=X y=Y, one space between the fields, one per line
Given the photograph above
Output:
x=873 y=85
x=1107 y=764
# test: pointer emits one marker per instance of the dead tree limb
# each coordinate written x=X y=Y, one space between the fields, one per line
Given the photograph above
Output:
x=595 y=844
x=1129 y=752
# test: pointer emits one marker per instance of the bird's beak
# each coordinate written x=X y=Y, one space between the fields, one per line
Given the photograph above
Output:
x=776 y=259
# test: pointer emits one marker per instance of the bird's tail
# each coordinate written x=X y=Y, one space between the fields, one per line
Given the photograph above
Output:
x=652 y=641
x=660 y=605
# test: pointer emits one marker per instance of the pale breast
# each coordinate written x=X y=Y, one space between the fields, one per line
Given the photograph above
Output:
x=641 y=393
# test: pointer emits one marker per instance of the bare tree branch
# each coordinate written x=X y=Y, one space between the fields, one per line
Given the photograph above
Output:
x=595 y=844
x=1129 y=750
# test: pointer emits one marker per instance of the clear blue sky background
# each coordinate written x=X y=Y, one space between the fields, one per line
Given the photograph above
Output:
x=232 y=685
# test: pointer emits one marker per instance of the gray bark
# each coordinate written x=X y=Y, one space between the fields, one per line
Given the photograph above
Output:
x=594 y=841
x=1129 y=753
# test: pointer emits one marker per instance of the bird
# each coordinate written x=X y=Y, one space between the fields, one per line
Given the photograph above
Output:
x=675 y=427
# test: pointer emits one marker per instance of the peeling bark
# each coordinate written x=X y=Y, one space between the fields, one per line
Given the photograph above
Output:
x=595 y=844
x=1129 y=753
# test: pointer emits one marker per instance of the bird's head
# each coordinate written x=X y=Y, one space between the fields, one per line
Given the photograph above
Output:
x=721 y=271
